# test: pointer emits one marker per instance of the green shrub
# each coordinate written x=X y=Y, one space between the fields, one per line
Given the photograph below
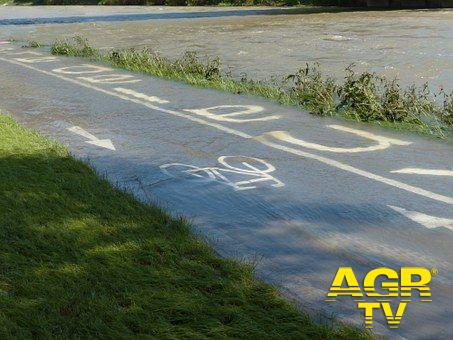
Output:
x=312 y=90
x=359 y=97
x=124 y=2
x=446 y=114
x=203 y=2
x=176 y=2
x=78 y=47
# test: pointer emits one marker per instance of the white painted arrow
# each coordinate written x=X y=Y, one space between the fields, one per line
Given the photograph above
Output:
x=428 y=221
x=419 y=171
x=93 y=140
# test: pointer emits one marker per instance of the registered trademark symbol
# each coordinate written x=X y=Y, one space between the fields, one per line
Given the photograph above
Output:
x=434 y=271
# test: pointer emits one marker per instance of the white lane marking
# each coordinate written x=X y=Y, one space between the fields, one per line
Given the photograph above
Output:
x=256 y=168
x=86 y=69
x=4 y=42
x=428 y=221
x=363 y=173
x=226 y=117
x=139 y=95
x=325 y=160
x=382 y=142
x=103 y=143
x=26 y=52
x=37 y=60
x=113 y=78
x=420 y=171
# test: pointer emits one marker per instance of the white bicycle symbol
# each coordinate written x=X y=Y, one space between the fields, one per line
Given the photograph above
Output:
x=254 y=168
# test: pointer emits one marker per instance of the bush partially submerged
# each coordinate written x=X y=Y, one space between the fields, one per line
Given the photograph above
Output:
x=369 y=97
x=365 y=97
x=77 y=47
x=312 y=90
x=31 y=44
x=150 y=62
x=446 y=113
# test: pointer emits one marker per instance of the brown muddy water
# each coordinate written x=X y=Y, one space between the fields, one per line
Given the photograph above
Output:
x=416 y=46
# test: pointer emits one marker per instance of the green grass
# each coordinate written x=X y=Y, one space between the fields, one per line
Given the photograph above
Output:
x=364 y=97
x=80 y=259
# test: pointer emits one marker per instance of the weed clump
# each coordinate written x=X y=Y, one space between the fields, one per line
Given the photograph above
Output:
x=147 y=61
x=312 y=91
x=77 y=47
x=446 y=114
x=31 y=44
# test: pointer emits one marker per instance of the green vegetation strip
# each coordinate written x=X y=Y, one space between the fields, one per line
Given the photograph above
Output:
x=365 y=97
x=81 y=259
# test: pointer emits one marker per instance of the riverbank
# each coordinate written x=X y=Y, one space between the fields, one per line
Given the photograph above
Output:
x=277 y=3
x=83 y=259
x=365 y=97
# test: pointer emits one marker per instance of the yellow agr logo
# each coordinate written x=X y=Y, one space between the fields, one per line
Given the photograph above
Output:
x=380 y=284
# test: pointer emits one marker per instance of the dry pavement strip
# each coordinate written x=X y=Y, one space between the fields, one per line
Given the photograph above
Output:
x=302 y=195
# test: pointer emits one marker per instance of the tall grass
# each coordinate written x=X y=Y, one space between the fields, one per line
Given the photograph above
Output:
x=364 y=97
x=77 y=47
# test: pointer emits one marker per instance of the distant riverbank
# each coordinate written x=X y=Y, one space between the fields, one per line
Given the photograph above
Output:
x=175 y=2
x=277 y=3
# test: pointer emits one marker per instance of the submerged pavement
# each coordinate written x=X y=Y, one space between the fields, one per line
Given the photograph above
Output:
x=298 y=194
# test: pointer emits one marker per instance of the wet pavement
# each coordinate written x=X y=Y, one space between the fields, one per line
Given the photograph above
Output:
x=416 y=46
x=298 y=194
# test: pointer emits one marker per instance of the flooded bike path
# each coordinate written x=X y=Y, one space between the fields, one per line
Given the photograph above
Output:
x=300 y=195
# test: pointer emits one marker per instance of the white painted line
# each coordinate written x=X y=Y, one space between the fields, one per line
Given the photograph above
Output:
x=419 y=171
x=37 y=60
x=86 y=69
x=227 y=117
x=139 y=95
x=325 y=160
x=382 y=142
x=113 y=78
x=25 y=52
x=93 y=140
x=428 y=221
x=363 y=173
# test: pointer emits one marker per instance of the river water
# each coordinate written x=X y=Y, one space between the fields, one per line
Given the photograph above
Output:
x=415 y=46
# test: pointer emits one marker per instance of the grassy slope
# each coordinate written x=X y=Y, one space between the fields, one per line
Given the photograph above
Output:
x=80 y=258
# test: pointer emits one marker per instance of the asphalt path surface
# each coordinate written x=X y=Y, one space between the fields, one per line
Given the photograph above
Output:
x=300 y=195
